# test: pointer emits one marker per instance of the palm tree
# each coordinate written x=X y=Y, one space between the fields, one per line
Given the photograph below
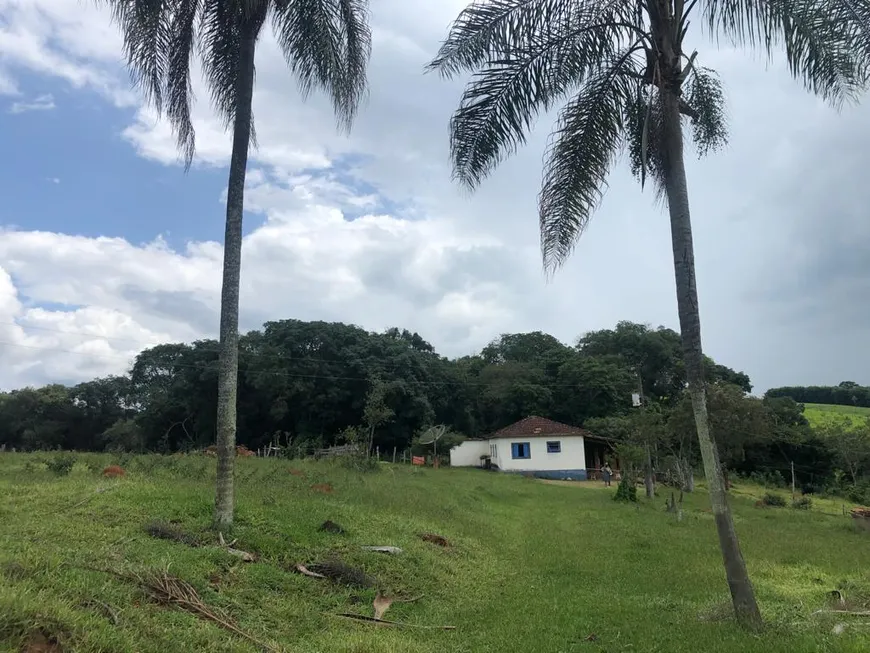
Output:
x=627 y=84
x=326 y=44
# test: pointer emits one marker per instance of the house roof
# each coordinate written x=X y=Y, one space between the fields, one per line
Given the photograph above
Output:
x=537 y=427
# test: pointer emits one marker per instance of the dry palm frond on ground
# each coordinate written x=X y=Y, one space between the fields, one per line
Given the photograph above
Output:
x=171 y=590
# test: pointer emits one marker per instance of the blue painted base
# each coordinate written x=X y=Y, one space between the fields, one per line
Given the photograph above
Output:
x=557 y=474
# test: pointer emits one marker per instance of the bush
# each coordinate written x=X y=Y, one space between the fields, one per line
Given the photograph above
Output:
x=626 y=491
x=773 y=500
x=771 y=479
x=61 y=465
x=359 y=462
x=802 y=503
x=859 y=493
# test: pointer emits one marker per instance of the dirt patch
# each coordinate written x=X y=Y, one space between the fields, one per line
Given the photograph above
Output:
x=40 y=642
x=166 y=531
x=323 y=488
x=113 y=471
x=436 y=539
x=297 y=472
x=330 y=526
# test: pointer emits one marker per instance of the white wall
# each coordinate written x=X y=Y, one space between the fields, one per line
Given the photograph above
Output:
x=572 y=456
x=468 y=453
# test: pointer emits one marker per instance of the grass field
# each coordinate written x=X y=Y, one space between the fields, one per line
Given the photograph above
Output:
x=821 y=414
x=532 y=567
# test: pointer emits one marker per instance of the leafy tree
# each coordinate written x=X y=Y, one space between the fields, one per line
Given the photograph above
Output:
x=124 y=435
x=851 y=446
x=592 y=386
x=621 y=67
x=326 y=44
x=534 y=347
x=652 y=355
x=376 y=411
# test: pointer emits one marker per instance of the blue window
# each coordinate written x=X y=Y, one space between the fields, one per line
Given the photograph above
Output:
x=554 y=447
x=521 y=450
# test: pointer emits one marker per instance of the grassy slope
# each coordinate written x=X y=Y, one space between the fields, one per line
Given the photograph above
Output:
x=535 y=567
x=821 y=414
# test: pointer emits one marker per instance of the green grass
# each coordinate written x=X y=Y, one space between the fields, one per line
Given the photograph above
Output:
x=822 y=414
x=533 y=567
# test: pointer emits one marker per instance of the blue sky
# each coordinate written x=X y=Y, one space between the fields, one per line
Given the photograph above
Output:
x=74 y=173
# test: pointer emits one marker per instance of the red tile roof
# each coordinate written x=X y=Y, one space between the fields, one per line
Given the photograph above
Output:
x=535 y=427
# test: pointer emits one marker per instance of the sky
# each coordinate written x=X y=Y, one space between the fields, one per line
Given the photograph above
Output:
x=107 y=246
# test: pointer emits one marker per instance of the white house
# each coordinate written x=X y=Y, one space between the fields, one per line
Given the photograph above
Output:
x=537 y=446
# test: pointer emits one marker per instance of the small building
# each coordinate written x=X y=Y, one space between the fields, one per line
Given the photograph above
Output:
x=537 y=446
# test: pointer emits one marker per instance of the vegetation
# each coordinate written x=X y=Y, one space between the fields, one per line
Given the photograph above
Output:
x=627 y=82
x=820 y=415
x=635 y=564
x=774 y=500
x=847 y=393
x=303 y=386
x=326 y=45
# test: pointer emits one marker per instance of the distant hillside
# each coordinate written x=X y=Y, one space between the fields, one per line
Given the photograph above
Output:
x=847 y=393
x=821 y=414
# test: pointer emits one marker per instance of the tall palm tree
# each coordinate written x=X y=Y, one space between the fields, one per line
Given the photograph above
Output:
x=627 y=83
x=326 y=44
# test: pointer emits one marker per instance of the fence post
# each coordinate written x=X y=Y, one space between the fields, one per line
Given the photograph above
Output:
x=394 y=455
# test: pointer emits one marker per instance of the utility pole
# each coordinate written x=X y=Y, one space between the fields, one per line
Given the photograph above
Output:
x=792 y=482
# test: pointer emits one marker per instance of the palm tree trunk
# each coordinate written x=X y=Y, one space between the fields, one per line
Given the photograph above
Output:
x=742 y=594
x=228 y=374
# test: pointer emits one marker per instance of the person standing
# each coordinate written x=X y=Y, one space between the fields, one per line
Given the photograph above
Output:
x=606 y=474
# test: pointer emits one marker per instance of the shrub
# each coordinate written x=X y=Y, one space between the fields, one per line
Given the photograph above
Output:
x=61 y=465
x=359 y=462
x=802 y=503
x=626 y=491
x=771 y=479
x=773 y=500
x=858 y=493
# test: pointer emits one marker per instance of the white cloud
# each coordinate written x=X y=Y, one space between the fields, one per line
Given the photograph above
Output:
x=74 y=41
x=39 y=103
x=369 y=228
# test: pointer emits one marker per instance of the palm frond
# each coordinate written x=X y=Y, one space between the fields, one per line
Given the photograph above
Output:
x=582 y=149
x=501 y=102
x=327 y=44
x=489 y=24
x=853 y=17
x=644 y=137
x=818 y=49
x=179 y=89
x=491 y=29
x=220 y=41
x=705 y=95
x=146 y=29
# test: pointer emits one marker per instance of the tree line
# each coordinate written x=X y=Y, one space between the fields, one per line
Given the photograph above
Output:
x=306 y=385
x=846 y=393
